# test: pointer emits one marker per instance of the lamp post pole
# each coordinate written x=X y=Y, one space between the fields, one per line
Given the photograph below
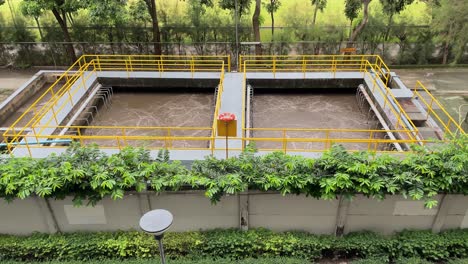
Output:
x=161 y=248
x=237 y=32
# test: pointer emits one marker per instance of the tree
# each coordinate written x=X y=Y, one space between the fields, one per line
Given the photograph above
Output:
x=451 y=23
x=151 y=5
x=242 y=6
x=352 y=8
x=391 y=8
x=108 y=13
x=33 y=9
x=256 y=27
x=319 y=5
x=272 y=6
x=364 y=4
x=59 y=9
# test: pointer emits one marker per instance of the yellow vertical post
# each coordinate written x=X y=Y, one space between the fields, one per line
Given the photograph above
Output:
x=168 y=134
x=35 y=135
x=27 y=145
x=274 y=66
x=371 y=136
x=161 y=62
x=304 y=66
x=284 y=141
x=448 y=125
x=334 y=66
x=430 y=107
x=212 y=140
x=192 y=66
x=124 y=136
x=229 y=63
x=99 y=63
x=118 y=142
x=79 y=135
x=327 y=137
x=55 y=116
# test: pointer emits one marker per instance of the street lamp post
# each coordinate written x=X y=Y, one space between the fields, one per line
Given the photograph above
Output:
x=157 y=222
x=237 y=33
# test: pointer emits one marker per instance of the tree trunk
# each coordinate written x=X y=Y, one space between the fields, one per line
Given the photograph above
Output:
x=363 y=22
x=315 y=14
x=256 y=27
x=389 y=26
x=151 y=4
x=350 y=28
x=447 y=45
x=272 y=14
x=39 y=28
x=66 y=35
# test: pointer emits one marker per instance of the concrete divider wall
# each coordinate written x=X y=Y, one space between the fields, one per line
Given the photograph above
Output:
x=193 y=211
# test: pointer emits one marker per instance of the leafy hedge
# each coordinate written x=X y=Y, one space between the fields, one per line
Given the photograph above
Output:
x=88 y=173
x=178 y=261
x=234 y=244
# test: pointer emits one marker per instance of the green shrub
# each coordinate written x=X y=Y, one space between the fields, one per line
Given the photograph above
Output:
x=458 y=261
x=413 y=260
x=236 y=245
x=179 y=261
x=88 y=173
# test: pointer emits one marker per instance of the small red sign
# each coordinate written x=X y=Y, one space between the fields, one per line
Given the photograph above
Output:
x=227 y=117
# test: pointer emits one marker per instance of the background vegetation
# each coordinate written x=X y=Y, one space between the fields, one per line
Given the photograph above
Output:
x=52 y=32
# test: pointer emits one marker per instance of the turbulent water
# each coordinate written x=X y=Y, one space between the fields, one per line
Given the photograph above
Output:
x=310 y=111
x=156 y=110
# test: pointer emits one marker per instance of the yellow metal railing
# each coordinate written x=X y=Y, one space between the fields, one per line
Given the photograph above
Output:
x=442 y=118
x=83 y=69
x=314 y=63
x=318 y=140
x=62 y=92
x=372 y=67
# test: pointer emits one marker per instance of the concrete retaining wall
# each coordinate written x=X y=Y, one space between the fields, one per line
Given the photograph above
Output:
x=193 y=211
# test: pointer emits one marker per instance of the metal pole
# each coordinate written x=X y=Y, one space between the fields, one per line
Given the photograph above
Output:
x=237 y=34
x=227 y=155
x=161 y=248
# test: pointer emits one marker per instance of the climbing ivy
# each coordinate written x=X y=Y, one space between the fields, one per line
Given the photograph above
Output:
x=86 y=173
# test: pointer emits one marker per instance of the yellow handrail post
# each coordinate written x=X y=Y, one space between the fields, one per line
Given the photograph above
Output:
x=192 y=66
x=124 y=136
x=35 y=135
x=334 y=67
x=162 y=65
x=99 y=63
x=118 y=142
x=27 y=146
x=212 y=141
x=284 y=141
x=371 y=136
x=274 y=66
x=304 y=66
x=78 y=130
x=169 y=137
x=229 y=63
x=448 y=126
x=327 y=141
x=430 y=108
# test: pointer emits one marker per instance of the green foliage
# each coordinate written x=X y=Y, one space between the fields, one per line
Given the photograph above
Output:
x=279 y=260
x=88 y=173
x=352 y=8
x=417 y=247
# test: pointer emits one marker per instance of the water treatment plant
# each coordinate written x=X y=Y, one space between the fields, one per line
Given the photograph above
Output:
x=295 y=104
